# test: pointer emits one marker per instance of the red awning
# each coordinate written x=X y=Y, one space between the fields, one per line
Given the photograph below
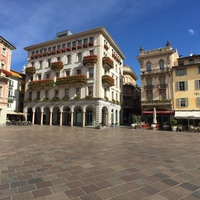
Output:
x=159 y=112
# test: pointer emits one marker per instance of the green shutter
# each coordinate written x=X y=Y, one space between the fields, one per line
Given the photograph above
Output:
x=185 y=71
x=186 y=85
x=186 y=102
x=178 y=102
x=177 y=86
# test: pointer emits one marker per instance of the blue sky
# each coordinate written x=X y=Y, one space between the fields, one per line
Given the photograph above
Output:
x=131 y=23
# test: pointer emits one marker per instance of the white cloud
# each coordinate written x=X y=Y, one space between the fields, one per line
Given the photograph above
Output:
x=191 y=31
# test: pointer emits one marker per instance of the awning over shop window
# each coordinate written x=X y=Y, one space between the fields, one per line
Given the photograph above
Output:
x=14 y=113
x=187 y=114
x=159 y=112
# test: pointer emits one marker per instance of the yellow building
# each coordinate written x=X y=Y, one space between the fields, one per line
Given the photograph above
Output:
x=186 y=87
x=156 y=84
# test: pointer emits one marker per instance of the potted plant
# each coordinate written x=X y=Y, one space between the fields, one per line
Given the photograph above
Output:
x=174 y=123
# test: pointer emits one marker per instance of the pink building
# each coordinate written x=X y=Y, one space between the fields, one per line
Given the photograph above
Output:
x=5 y=63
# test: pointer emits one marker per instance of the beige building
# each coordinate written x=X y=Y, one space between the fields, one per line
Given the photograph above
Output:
x=156 y=83
x=5 y=63
x=131 y=95
x=186 y=84
x=75 y=80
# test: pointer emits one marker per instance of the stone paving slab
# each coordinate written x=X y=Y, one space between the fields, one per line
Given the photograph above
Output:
x=63 y=163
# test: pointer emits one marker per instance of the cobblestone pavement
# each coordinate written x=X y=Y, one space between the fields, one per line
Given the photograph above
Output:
x=62 y=163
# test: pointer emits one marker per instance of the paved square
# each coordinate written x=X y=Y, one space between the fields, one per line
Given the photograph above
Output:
x=62 y=163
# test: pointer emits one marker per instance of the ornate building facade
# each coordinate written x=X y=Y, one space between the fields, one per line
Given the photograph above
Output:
x=157 y=84
x=5 y=63
x=75 y=80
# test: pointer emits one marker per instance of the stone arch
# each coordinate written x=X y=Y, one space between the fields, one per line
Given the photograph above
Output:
x=90 y=115
x=29 y=114
x=56 y=116
x=104 y=116
x=37 y=115
x=66 y=116
x=46 y=116
x=78 y=116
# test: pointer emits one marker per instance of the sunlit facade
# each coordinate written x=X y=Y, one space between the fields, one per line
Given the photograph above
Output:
x=75 y=80
x=5 y=63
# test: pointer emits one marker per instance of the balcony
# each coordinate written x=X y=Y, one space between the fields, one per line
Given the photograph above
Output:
x=148 y=87
x=156 y=71
x=56 y=66
x=40 y=84
x=107 y=81
x=71 y=80
x=89 y=60
x=107 y=63
x=162 y=86
x=157 y=102
x=30 y=71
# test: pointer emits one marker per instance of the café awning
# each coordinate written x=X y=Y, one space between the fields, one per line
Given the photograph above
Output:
x=187 y=114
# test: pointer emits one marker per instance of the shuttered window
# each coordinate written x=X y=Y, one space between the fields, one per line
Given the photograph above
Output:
x=198 y=101
x=182 y=102
x=182 y=86
x=197 y=84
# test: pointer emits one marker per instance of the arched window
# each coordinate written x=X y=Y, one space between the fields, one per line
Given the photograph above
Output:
x=161 y=64
x=148 y=65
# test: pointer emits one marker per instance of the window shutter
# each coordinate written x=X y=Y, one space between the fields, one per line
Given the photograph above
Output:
x=197 y=86
x=176 y=72
x=185 y=71
x=178 y=102
x=177 y=86
x=186 y=102
x=198 y=101
x=186 y=85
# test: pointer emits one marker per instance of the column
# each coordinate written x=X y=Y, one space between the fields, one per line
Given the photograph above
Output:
x=72 y=118
x=83 y=115
x=33 y=118
x=61 y=118
x=50 y=123
x=41 y=119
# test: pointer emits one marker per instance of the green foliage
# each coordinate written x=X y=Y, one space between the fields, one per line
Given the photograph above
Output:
x=136 y=119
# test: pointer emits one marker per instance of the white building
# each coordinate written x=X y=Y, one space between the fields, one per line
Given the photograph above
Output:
x=75 y=80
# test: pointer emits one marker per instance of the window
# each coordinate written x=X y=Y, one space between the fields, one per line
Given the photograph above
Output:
x=181 y=72
x=58 y=58
x=90 y=91
x=149 y=81
x=77 y=91
x=198 y=101
x=38 y=94
x=63 y=46
x=58 y=47
x=30 y=96
x=40 y=63
x=57 y=74
x=79 y=43
x=46 y=94
x=66 y=92
x=78 y=71
x=39 y=76
x=198 y=69
x=49 y=62
x=162 y=80
x=149 y=95
x=11 y=83
x=74 y=44
x=191 y=61
x=116 y=82
x=0 y=91
x=69 y=45
x=56 y=93
x=91 y=72
x=47 y=76
x=181 y=86
x=161 y=64
x=4 y=51
x=68 y=59
x=91 y=39
x=2 y=66
x=91 y=52
x=54 y=48
x=148 y=66
x=162 y=95
x=197 y=84
x=182 y=102
x=79 y=55
x=49 y=49
x=36 y=52
x=180 y=62
x=85 y=41
x=67 y=73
